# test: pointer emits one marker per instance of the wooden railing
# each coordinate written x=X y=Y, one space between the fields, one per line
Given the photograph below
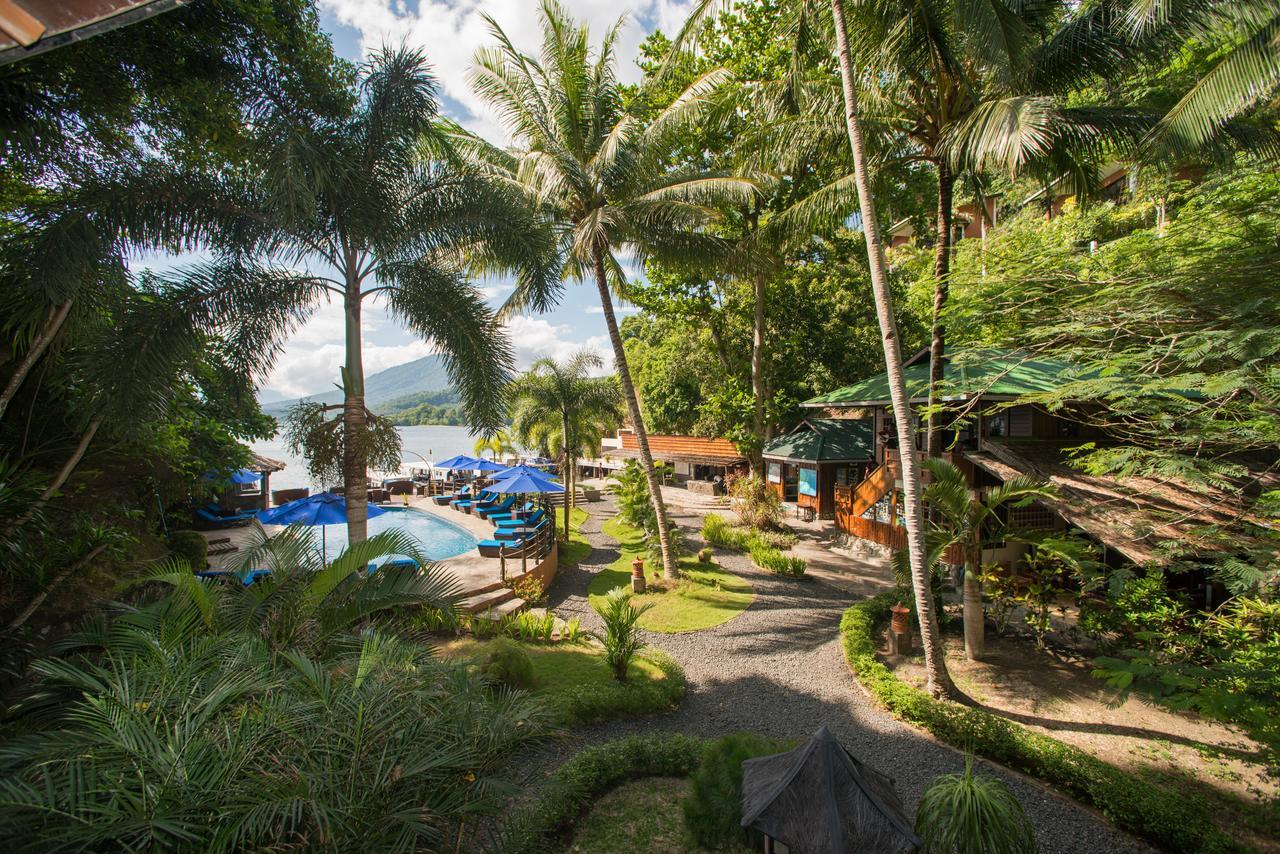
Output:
x=893 y=536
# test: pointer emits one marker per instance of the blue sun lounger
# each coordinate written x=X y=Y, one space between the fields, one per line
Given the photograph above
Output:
x=219 y=520
x=495 y=509
x=497 y=548
x=443 y=500
x=498 y=518
x=527 y=522
x=245 y=578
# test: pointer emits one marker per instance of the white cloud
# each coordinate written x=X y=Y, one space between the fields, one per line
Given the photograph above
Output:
x=450 y=31
x=536 y=338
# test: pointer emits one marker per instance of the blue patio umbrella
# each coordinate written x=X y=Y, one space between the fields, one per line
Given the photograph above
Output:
x=239 y=476
x=526 y=470
x=461 y=461
x=525 y=483
x=323 y=508
x=487 y=465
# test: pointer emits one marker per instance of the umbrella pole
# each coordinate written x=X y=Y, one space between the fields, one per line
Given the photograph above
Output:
x=324 y=545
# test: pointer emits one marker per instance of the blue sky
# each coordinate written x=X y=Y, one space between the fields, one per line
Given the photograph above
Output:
x=449 y=32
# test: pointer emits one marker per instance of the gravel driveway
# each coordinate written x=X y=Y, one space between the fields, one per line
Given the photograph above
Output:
x=777 y=669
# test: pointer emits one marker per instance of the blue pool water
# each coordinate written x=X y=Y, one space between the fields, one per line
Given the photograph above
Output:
x=439 y=539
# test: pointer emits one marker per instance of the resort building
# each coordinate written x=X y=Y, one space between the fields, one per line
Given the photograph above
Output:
x=807 y=466
x=696 y=463
x=992 y=437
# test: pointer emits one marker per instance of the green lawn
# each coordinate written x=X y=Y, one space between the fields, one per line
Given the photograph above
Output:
x=643 y=815
x=705 y=596
x=574 y=680
x=573 y=552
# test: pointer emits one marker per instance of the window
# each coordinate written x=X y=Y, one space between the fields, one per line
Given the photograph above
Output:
x=994 y=426
x=775 y=473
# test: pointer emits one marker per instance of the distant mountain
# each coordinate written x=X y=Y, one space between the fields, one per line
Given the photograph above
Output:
x=425 y=376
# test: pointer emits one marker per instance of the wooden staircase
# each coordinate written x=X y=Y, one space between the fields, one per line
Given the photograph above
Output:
x=852 y=503
x=493 y=602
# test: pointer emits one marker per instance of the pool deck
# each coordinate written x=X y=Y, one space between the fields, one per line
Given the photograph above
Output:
x=479 y=578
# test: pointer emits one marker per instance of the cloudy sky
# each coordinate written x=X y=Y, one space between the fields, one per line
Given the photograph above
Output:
x=449 y=31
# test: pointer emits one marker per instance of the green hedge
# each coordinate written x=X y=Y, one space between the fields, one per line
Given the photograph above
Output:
x=577 y=783
x=584 y=704
x=1162 y=816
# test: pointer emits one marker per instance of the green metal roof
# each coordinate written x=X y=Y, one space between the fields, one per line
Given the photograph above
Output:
x=824 y=440
x=997 y=373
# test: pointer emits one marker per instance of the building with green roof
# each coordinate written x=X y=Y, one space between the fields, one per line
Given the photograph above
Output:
x=998 y=375
x=805 y=466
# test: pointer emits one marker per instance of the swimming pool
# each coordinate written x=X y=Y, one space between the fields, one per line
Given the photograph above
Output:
x=439 y=539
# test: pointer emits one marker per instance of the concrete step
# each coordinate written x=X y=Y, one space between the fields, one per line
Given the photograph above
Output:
x=503 y=609
x=478 y=602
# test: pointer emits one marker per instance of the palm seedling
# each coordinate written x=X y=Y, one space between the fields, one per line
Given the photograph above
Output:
x=621 y=638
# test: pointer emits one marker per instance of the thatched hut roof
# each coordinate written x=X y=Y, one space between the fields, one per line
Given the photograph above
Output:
x=1143 y=519
x=819 y=799
x=257 y=462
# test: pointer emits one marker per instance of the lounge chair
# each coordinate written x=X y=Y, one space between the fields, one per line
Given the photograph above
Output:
x=497 y=518
x=521 y=532
x=529 y=521
x=495 y=509
x=498 y=548
x=223 y=521
x=246 y=578
x=443 y=500
x=398 y=563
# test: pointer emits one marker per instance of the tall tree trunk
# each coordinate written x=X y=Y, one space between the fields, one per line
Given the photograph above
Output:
x=38 y=599
x=568 y=478
x=355 y=475
x=49 y=331
x=58 y=481
x=637 y=422
x=757 y=370
x=941 y=289
x=935 y=665
x=974 y=617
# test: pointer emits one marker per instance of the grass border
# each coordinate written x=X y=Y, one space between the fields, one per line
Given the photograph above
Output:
x=1164 y=817
x=576 y=784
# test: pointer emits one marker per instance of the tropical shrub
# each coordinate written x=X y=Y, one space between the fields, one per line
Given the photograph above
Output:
x=621 y=637
x=572 y=631
x=971 y=814
x=530 y=589
x=758 y=506
x=529 y=626
x=631 y=491
x=767 y=557
x=717 y=531
x=705 y=555
x=191 y=546
x=507 y=663
x=713 y=807
x=184 y=722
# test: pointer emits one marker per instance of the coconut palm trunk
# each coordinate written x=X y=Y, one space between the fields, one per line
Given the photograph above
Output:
x=570 y=471
x=633 y=409
x=941 y=292
x=59 y=480
x=355 y=474
x=974 y=615
x=53 y=323
x=939 y=683
x=757 y=372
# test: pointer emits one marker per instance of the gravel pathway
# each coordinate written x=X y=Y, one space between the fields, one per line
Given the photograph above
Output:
x=777 y=669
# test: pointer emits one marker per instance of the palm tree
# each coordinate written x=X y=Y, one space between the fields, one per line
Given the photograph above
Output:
x=602 y=177
x=971 y=523
x=558 y=406
x=497 y=443
x=377 y=199
x=939 y=680
x=802 y=17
